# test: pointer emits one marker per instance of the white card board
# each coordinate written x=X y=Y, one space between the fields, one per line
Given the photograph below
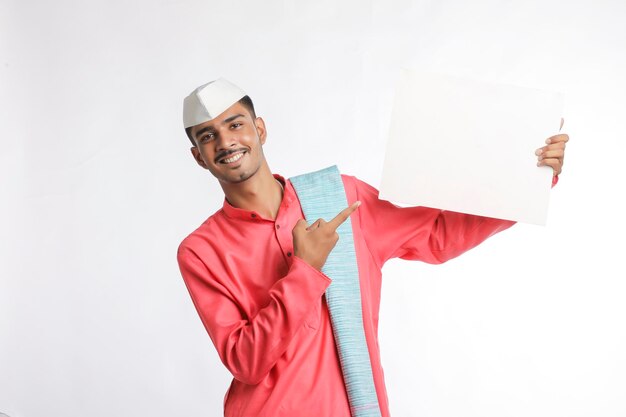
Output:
x=469 y=146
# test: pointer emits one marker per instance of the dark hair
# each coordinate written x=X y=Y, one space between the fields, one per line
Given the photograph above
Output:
x=245 y=101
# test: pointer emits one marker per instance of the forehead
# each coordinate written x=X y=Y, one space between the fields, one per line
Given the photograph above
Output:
x=234 y=110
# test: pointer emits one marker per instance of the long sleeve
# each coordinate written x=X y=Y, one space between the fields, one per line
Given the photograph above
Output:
x=250 y=346
x=419 y=233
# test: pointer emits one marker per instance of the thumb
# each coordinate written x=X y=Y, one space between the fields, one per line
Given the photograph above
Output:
x=315 y=224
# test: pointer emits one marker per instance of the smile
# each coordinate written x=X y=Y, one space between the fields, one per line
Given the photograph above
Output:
x=234 y=158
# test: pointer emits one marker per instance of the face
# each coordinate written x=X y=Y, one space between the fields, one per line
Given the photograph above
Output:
x=230 y=146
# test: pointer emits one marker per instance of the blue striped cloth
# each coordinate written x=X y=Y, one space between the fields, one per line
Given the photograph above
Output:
x=322 y=195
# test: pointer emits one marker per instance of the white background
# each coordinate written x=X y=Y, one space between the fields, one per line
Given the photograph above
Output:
x=98 y=188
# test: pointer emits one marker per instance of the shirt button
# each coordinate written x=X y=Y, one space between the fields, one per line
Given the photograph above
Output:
x=253 y=215
x=288 y=253
x=278 y=226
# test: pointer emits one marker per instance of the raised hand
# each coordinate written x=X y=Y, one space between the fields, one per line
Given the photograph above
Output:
x=312 y=244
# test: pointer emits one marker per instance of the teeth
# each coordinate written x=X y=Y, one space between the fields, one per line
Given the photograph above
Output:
x=234 y=158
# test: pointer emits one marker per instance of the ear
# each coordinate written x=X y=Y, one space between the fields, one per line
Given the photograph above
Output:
x=260 y=129
x=198 y=157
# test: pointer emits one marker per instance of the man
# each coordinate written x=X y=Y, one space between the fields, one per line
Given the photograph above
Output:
x=253 y=269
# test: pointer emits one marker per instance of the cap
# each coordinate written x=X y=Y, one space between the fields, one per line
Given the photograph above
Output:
x=209 y=101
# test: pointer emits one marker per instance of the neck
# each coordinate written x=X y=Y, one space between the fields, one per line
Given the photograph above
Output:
x=261 y=193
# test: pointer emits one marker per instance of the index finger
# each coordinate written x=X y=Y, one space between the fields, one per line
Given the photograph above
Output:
x=561 y=137
x=343 y=216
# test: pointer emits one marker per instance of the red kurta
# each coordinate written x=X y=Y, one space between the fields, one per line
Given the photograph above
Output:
x=264 y=308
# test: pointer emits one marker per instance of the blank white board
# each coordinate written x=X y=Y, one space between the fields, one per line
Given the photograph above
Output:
x=469 y=146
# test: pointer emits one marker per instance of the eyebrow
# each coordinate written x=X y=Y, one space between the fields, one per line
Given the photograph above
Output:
x=231 y=118
x=210 y=128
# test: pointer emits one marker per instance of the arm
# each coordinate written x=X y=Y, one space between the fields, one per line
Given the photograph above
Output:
x=250 y=346
x=419 y=233
x=432 y=235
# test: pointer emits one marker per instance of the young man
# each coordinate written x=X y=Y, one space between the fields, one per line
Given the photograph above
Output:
x=253 y=268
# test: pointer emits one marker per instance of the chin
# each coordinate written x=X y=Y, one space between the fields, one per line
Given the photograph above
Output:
x=243 y=177
x=237 y=178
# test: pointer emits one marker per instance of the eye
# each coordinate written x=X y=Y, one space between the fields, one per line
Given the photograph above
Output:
x=236 y=125
x=207 y=137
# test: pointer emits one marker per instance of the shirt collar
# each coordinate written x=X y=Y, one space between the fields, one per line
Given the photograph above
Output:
x=289 y=195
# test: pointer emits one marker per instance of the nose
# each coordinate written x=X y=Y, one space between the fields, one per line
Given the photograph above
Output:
x=226 y=140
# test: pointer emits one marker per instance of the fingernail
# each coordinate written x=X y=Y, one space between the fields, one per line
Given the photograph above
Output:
x=538 y=151
x=358 y=203
x=548 y=141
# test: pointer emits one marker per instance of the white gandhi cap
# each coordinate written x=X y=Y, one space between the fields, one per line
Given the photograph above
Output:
x=209 y=101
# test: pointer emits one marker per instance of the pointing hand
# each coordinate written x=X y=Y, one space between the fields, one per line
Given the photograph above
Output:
x=313 y=244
